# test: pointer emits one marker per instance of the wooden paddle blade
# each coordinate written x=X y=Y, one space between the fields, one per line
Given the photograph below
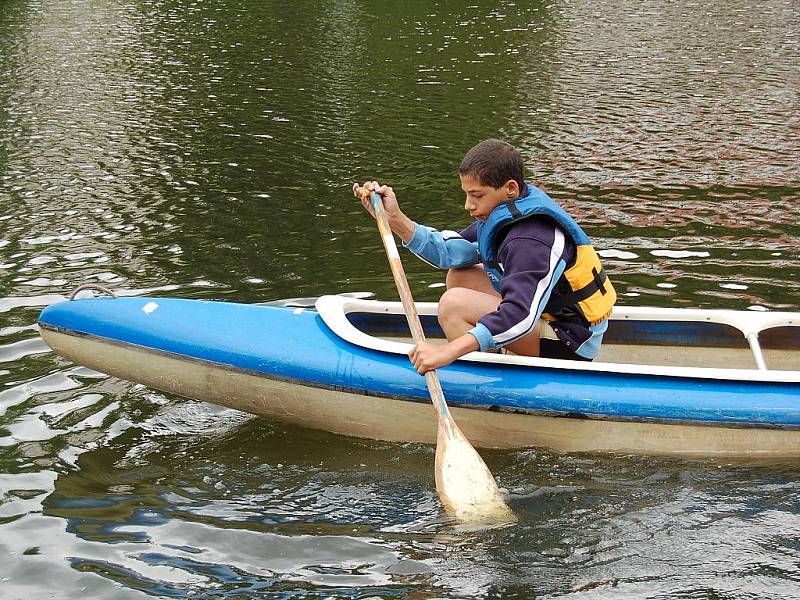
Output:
x=465 y=485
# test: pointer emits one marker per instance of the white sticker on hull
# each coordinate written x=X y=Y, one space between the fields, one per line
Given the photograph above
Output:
x=150 y=307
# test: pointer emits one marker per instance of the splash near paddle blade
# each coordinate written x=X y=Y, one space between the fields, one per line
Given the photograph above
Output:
x=465 y=485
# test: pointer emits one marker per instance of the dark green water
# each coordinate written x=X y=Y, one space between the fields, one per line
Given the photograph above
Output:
x=205 y=149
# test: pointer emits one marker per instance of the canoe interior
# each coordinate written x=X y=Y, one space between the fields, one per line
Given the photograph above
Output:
x=665 y=343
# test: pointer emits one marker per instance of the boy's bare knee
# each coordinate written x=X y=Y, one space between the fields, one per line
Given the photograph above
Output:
x=461 y=307
x=452 y=300
x=453 y=312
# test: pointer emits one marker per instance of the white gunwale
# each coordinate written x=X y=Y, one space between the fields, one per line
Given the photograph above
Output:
x=334 y=310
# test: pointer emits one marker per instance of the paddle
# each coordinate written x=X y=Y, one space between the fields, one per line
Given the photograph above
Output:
x=464 y=483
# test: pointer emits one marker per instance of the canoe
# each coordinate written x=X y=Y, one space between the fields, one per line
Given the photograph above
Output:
x=667 y=382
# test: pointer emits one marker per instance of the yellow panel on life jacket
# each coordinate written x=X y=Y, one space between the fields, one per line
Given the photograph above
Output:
x=584 y=272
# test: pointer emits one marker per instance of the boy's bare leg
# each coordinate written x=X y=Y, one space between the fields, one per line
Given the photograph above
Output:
x=469 y=296
x=473 y=278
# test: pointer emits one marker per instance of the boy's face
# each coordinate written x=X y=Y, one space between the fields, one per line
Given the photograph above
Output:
x=482 y=199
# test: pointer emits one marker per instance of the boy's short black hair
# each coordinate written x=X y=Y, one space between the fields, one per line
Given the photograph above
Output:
x=493 y=162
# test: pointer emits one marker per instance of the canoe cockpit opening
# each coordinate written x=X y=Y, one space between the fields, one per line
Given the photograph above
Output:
x=700 y=343
x=635 y=335
x=649 y=342
x=394 y=326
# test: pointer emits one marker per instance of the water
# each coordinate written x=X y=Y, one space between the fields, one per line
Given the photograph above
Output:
x=205 y=150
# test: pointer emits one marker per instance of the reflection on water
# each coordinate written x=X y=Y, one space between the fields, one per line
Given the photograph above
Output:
x=201 y=501
x=205 y=150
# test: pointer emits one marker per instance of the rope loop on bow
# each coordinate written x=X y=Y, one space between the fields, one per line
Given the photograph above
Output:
x=91 y=286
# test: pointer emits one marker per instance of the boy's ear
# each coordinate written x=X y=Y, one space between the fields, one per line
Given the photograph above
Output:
x=512 y=188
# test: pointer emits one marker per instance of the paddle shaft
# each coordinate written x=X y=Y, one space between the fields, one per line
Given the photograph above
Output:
x=399 y=274
x=464 y=483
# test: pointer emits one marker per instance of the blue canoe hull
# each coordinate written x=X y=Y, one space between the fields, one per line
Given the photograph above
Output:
x=295 y=346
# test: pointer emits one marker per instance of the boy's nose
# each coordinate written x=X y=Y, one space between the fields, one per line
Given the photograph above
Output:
x=467 y=204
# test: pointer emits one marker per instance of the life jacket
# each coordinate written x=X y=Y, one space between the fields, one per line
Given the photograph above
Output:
x=589 y=289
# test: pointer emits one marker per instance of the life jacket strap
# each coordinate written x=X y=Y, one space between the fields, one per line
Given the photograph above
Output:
x=598 y=283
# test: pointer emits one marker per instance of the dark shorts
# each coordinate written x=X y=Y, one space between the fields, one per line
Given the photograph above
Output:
x=557 y=349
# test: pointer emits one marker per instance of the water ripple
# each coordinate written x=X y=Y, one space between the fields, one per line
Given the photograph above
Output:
x=204 y=150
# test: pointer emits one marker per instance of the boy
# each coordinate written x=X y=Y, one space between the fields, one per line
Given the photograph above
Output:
x=523 y=276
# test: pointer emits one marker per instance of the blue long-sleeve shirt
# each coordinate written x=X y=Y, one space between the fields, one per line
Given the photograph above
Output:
x=534 y=255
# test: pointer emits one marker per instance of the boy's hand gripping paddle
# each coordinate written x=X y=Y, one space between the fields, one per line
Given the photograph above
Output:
x=465 y=485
